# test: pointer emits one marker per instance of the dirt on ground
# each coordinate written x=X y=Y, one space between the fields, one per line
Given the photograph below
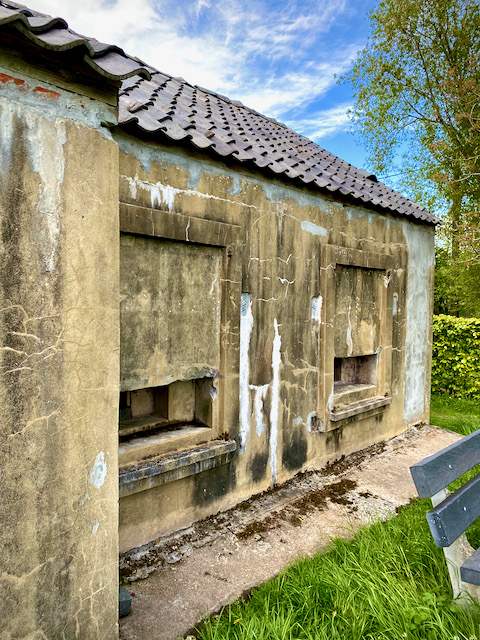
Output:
x=175 y=581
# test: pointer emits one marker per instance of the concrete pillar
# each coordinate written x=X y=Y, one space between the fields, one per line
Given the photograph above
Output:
x=59 y=367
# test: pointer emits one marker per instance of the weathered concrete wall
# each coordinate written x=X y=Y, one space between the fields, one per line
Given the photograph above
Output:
x=418 y=340
x=357 y=311
x=59 y=364
x=279 y=322
x=170 y=309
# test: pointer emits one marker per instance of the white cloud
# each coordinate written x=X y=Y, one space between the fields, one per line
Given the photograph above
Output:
x=273 y=59
x=149 y=31
x=201 y=4
x=324 y=124
x=291 y=91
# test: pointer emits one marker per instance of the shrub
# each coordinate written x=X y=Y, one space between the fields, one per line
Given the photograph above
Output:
x=456 y=356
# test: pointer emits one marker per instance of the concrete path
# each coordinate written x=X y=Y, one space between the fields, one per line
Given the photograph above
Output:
x=199 y=570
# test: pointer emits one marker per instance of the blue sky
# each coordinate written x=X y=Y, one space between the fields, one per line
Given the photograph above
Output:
x=278 y=57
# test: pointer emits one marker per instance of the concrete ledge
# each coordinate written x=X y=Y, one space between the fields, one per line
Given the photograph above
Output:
x=135 y=450
x=348 y=394
x=367 y=407
x=168 y=468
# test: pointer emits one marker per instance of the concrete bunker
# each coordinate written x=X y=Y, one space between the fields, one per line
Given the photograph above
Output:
x=228 y=299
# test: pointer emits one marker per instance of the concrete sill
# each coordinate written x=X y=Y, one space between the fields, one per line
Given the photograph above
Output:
x=180 y=437
x=168 y=468
x=346 y=394
x=137 y=425
x=365 y=408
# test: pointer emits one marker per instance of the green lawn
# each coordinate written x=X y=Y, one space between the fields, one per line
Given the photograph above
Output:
x=462 y=416
x=389 y=582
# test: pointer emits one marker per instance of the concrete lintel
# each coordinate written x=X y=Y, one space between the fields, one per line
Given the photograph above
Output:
x=176 y=226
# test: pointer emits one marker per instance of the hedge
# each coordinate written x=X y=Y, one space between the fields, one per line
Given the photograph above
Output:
x=456 y=356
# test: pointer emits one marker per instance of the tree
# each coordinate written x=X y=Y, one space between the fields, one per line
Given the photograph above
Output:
x=417 y=106
x=455 y=294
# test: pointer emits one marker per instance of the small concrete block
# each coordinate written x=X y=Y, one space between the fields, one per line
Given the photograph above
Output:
x=181 y=400
x=124 y=602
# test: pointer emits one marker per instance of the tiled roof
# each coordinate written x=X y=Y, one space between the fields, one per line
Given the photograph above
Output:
x=209 y=121
x=158 y=103
x=53 y=34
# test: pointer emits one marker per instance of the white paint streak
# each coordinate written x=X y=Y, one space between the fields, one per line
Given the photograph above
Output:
x=99 y=471
x=258 y=259
x=186 y=231
x=155 y=193
x=159 y=193
x=246 y=325
x=314 y=229
x=95 y=526
x=276 y=361
x=330 y=399
x=349 y=332
x=259 y=397
x=287 y=282
x=168 y=197
x=316 y=313
x=166 y=193
x=41 y=136
x=133 y=188
x=212 y=287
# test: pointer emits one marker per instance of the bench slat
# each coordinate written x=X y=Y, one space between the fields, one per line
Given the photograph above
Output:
x=470 y=570
x=452 y=516
x=440 y=469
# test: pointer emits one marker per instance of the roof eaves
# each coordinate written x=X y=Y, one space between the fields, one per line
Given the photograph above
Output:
x=53 y=34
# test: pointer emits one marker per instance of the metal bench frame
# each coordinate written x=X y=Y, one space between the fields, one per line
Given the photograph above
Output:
x=453 y=513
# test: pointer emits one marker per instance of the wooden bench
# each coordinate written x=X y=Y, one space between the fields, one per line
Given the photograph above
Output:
x=453 y=513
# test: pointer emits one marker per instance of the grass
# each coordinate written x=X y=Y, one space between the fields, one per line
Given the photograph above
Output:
x=389 y=582
x=461 y=416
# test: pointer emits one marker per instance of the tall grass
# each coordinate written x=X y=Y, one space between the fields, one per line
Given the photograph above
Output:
x=389 y=582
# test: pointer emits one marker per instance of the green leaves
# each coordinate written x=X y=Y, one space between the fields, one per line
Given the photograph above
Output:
x=455 y=356
x=417 y=82
x=423 y=618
